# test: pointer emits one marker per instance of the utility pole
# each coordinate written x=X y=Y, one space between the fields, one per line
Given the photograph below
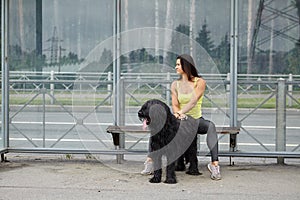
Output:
x=55 y=49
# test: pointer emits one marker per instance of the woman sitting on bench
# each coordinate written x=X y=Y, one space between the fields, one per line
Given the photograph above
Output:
x=187 y=95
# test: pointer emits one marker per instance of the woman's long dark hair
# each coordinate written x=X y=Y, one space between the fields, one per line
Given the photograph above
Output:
x=188 y=66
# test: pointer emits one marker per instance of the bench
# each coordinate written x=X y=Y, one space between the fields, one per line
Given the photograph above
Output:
x=115 y=131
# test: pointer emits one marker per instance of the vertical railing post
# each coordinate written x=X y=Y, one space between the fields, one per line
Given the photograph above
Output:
x=168 y=94
x=122 y=101
x=80 y=85
x=259 y=86
x=43 y=91
x=281 y=118
x=139 y=85
x=290 y=90
x=228 y=85
x=52 y=86
x=109 y=85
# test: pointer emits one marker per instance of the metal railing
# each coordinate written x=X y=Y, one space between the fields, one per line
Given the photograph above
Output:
x=81 y=97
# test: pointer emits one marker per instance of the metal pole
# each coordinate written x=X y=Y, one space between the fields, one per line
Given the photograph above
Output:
x=39 y=33
x=116 y=63
x=233 y=70
x=281 y=118
x=5 y=74
x=116 y=74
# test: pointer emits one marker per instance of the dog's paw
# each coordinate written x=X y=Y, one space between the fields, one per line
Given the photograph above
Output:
x=170 y=181
x=193 y=172
x=155 y=180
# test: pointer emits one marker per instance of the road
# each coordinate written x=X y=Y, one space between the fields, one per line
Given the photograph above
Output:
x=79 y=129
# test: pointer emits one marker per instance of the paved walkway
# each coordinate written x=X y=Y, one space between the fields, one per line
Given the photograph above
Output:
x=91 y=177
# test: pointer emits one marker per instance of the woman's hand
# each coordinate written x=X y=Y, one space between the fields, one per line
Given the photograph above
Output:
x=177 y=115
x=183 y=117
x=180 y=116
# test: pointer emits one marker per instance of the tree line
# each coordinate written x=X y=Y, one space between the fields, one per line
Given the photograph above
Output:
x=283 y=62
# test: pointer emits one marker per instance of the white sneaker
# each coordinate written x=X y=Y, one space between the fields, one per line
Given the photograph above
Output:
x=215 y=172
x=148 y=168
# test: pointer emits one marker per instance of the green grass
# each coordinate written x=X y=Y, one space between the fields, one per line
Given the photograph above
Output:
x=63 y=101
x=254 y=102
x=85 y=100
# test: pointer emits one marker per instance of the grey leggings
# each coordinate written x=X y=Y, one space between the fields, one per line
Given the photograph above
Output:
x=209 y=128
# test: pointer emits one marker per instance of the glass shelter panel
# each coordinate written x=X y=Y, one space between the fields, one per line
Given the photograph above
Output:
x=58 y=52
x=268 y=37
x=154 y=33
x=77 y=66
x=168 y=28
x=268 y=50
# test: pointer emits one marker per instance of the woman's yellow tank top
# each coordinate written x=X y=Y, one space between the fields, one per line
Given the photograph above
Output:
x=183 y=99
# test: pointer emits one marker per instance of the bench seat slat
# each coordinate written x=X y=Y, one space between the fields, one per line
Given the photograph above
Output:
x=139 y=129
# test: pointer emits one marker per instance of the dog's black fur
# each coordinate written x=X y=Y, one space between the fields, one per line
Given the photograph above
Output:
x=164 y=126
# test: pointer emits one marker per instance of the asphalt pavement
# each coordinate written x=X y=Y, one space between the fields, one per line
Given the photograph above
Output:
x=35 y=176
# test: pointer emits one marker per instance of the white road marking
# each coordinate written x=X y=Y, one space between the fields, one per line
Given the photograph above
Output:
x=133 y=141
x=108 y=124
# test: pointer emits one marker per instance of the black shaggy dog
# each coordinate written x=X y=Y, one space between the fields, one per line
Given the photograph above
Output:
x=170 y=137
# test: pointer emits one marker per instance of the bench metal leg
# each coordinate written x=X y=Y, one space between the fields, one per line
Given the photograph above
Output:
x=232 y=146
x=232 y=143
x=231 y=163
x=3 y=159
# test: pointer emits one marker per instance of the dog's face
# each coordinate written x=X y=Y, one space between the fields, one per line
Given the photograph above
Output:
x=154 y=114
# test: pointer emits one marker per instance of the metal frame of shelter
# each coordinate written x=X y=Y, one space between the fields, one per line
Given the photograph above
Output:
x=117 y=85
